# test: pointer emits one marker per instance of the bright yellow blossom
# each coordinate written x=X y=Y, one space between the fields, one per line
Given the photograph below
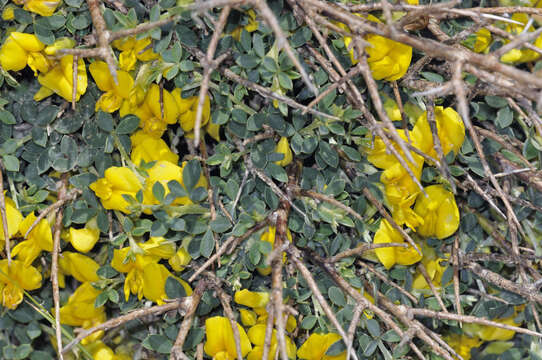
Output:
x=149 y=148
x=434 y=267
x=115 y=94
x=8 y=13
x=40 y=7
x=133 y=50
x=463 y=344
x=316 y=346
x=269 y=236
x=492 y=333
x=60 y=43
x=153 y=122
x=450 y=130
x=21 y=49
x=100 y=351
x=59 y=80
x=81 y=267
x=283 y=147
x=83 y=240
x=144 y=276
x=248 y=317
x=398 y=182
x=14 y=219
x=188 y=108
x=80 y=311
x=516 y=56
x=256 y=335
x=117 y=181
x=38 y=240
x=483 y=40
x=250 y=27
x=390 y=256
x=252 y=299
x=439 y=212
x=388 y=59
x=220 y=343
x=180 y=260
x=14 y=280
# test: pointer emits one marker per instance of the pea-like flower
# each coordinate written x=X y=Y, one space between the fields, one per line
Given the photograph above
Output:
x=435 y=270
x=83 y=240
x=252 y=299
x=40 y=7
x=483 y=40
x=390 y=256
x=522 y=55
x=80 y=266
x=80 y=311
x=133 y=50
x=463 y=344
x=117 y=181
x=439 y=212
x=8 y=13
x=316 y=346
x=256 y=335
x=115 y=94
x=144 y=276
x=220 y=342
x=148 y=148
x=38 y=240
x=283 y=147
x=21 y=49
x=450 y=130
x=14 y=219
x=188 y=108
x=59 y=80
x=250 y=27
x=16 y=278
x=388 y=59
x=269 y=236
x=153 y=121
x=100 y=351
x=492 y=333
x=180 y=260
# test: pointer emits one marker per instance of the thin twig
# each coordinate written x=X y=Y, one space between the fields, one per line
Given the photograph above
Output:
x=3 y=210
x=225 y=301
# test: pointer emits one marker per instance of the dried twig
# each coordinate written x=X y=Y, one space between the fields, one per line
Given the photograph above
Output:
x=4 y=216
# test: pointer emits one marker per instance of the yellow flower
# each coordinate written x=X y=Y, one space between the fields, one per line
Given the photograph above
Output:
x=144 y=276
x=463 y=344
x=491 y=333
x=398 y=183
x=439 y=212
x=149 y=148
x=115 y=94
x=159 y=247
x=81 y=267
x=248 y=317
x=401 y=210
x=14 y=218
x=14 y=280
x=434 y=269
x=150 y=112
x=316 y=346
x=133 y=50
x=283 y=147
x=60 y=43
x=188 y=108
x=220 y=343
x=59 y=80
x=516 y=56
x=256 y=335
x=40 y=7
x=180 y=260
x=388 y=59
x=118 y=181
x=251 y=298
x=80 y=311
x=38 y=240
x=22 y=49
x=83 y=240
x=483 y=40
x=250 y=27
x=269 y=236
x=8 y=13
x=390 y=256
x=450 y=130
x=100 y=351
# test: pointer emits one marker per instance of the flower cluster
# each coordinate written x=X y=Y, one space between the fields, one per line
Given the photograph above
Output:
x=434 y=215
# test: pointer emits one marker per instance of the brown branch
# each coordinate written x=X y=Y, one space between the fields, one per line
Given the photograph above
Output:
x=4 y=216
x=361 y=248
x=276 y=276
x=225 y=301
x=421 y=268
x=383 y=277
x=332 y=201
x=178 y=304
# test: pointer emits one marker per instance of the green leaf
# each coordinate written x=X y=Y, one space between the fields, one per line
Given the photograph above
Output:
x=432 y=76
x=80 y=22
x=504 y=118
x=220 y=224
x=247 y=61
x=191 y=174
x=495 y=101
x=174 y=289
x=107 y=272
x=158 y=343
x=207 y=244
x=308 y=322
x=104 y=121
x=337 y=348
x=328 y=154
x=7 y=118
x=373 y=327
x=173 y=55
x=277 y=172
x=11 y=163
x=101 y=299
x=336 y=296
x=128 y=125
x=285 y=82
x=158 y=191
